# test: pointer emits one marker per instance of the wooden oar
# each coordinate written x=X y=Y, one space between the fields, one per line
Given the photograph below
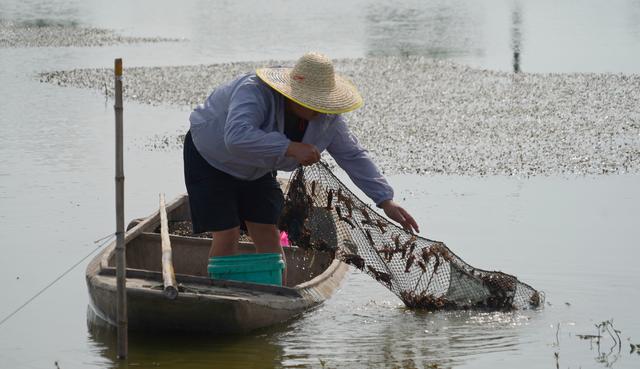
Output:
x=168 y=274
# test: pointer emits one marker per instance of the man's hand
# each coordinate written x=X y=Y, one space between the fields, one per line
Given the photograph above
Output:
x=305 y=154
x=397 y=213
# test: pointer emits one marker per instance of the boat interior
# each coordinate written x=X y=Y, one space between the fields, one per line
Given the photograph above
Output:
x=190 y=254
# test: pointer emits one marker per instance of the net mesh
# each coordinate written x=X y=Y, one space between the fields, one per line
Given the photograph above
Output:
x=322 y=213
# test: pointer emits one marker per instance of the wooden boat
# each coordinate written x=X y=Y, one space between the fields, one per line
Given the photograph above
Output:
x=202 y=304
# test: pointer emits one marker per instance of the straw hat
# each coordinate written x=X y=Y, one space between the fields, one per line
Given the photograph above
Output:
x=313 y=84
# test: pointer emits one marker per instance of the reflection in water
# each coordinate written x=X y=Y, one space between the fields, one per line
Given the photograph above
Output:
x=436 y=29
x=367 y=334
x=340 y=334
x=42 y=13
x=185 y=351
x=516 y=36
x=633 y=19
x=448 y=338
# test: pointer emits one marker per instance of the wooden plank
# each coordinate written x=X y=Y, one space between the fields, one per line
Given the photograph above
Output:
x=168 y=274
x=206 y=281
x=148 y=224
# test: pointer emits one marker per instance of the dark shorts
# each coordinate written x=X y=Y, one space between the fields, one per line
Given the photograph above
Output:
x=220 y=201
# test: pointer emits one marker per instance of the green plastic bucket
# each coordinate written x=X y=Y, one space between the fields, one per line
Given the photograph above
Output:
x=254 y=268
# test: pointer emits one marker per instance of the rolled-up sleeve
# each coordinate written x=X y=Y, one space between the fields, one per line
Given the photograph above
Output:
x=248 y=110
x=355 y=160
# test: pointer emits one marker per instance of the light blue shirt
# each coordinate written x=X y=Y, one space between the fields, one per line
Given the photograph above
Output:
x=239 y=130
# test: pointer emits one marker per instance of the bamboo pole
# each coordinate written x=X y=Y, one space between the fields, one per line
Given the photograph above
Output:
x=121 y=260
x=168 y=274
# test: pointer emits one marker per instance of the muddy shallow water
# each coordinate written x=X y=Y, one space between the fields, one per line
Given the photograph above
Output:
x=575 y=237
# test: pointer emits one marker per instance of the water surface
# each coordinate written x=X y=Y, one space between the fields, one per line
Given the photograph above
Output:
x=574 y=238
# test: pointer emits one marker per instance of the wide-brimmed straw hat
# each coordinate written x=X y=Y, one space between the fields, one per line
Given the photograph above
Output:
x=313 y=83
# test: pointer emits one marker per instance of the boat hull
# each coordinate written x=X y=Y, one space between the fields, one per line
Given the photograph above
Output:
x=210 y=309
x=203 y=305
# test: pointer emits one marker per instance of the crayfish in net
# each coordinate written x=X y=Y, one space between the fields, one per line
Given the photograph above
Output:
x=423 y=273
x=297 y=214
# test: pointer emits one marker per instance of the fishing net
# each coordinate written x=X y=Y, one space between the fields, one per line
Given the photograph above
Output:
x=423 y=273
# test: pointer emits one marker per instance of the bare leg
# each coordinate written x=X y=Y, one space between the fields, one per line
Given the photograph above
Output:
x=266 y=237
x=225 y=242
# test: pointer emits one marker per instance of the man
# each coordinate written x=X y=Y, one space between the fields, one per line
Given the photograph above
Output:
x=276 y=119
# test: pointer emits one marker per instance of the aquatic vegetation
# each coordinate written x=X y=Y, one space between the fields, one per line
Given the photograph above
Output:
x=607 y=355
x=465 y=121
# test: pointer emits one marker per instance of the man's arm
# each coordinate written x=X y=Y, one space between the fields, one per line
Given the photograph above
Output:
x=248 y=110
x=355 y=160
